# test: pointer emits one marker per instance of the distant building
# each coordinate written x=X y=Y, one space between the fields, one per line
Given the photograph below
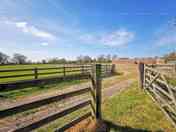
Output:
x=123 y=61
x=148 y=60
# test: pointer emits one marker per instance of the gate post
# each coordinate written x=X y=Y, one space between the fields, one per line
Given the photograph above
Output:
x=141 y=75
x=113 y=69
x=98 y=80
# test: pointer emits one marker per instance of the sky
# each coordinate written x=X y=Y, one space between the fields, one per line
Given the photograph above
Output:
x=43 y=29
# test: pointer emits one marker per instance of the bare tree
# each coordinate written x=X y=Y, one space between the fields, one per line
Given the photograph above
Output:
x=3 y=58
x=114 y=57
x=101 y=58
x=57 y=60
x=19 y=58
x=170 y=57
x=108 y=58
x=79 y=59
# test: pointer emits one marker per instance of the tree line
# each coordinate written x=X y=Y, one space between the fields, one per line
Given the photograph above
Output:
x=22 y=59
x=170 y=57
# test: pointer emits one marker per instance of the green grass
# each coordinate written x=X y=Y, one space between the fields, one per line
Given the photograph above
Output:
x=14 y=94
x=31 y=66
x=172 y=81
x=27 y=66
x=133 y=108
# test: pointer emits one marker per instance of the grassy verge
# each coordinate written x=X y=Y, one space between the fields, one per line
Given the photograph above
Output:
x=133 y=109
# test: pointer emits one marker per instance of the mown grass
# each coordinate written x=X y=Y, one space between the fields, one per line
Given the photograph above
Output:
x=133 y=108
x=32 y=66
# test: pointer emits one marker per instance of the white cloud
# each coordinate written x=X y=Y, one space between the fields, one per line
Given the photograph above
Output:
x=167 y=40
x=26 y=28
x=117 y=38
x=44 y=44
x=167 y=37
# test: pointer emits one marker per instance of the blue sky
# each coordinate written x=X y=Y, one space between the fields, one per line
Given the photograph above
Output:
x=69 y=28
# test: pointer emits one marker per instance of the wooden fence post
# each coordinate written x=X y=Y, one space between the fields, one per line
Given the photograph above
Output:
x=64 y=71
x=106 y=69
x=141 y=75
x=36 y=73
x=113 y=68
x=82 y=69
x=98 y=91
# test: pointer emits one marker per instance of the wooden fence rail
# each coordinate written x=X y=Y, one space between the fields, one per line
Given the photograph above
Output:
x=94 y=103
x=158 y=88
x=12 y=79
x=168 y=70
x=36 y=72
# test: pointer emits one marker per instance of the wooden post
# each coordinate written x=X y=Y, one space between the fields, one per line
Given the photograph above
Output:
x=35 y=73
x=141 y=75
x=82 y=69
x=98 y=91
x=113 y=68
x=64 y=73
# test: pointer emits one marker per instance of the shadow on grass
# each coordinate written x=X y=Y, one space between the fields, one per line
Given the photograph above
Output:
x=112 y=127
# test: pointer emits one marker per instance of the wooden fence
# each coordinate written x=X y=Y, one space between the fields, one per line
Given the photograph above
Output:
x=168 y=70
x=156 y=85
x=94 y=103
x=12 y=79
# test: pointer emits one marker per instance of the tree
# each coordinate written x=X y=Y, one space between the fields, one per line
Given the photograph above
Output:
x=53 y=60
x=170 y=57
x=57 y=60
x=79 y=59
x=3 y=58
x=44 y=61
x=101 y=58
x=114 y=57
x=62 y=61
x=19 y=58
x=84 y=59
x=87 y=59
x=108 y=58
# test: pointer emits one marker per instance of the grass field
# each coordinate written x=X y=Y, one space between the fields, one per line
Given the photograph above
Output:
x=32 y=66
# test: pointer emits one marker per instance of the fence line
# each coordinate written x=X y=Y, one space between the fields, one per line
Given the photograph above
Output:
x=37 y=76
x=157 y=87
x=94 y=102
x=166 y=69
x=36 y=72
x=41 y=102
